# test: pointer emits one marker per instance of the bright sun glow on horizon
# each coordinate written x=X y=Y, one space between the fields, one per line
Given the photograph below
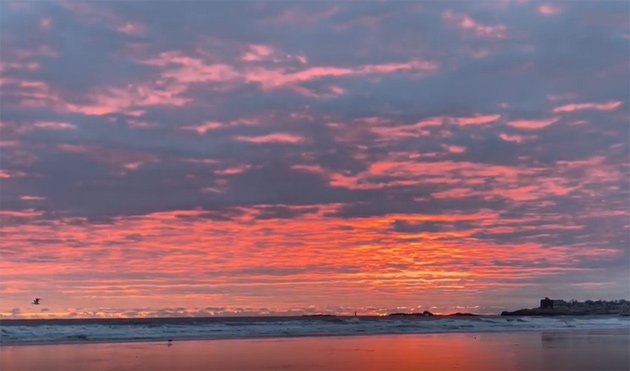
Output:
x=276 y=158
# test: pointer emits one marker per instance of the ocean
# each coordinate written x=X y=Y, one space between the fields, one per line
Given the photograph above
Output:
x=55 y=331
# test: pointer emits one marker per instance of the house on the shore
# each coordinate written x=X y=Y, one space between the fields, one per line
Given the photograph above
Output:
x=547 y=303
x=589 y=306
x=551 y=307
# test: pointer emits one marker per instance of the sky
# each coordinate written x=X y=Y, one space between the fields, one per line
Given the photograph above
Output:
x=229 y=158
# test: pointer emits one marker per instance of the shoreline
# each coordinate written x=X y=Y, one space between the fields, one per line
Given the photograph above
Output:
x=317 y=336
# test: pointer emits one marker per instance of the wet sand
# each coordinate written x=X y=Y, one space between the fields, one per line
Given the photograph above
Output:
x=527 y=351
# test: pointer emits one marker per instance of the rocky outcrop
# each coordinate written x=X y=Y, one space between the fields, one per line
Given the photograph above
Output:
x=460 y=314
x=554 y=307
x=426 y=313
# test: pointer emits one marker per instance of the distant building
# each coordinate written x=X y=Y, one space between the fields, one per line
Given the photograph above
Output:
x=589 y=307
x=592 y=307
x=559 y=304
x=546 y=303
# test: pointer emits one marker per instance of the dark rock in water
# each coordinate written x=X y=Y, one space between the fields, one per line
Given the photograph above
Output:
x=426 y=313
x=460 y=314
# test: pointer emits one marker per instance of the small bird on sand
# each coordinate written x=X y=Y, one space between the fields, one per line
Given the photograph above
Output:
x=36 y=301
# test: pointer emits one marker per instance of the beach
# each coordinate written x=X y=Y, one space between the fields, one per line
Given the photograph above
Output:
x=526 y=351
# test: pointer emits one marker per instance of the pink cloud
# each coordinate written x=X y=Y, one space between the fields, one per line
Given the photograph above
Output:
x=125 y=100
x=455 y=149
x=257 y=53
x=128 y=100
x=576 y=107
x=532 y=124
x=183 y=71
x=141 y=124
x=27 y=127
x=515 y=138
x=132 y=28
x=477 y=120
x=73 y=148
x=188 y=70
x=36 y=52
x=19 y=66
x=548 y=10
x=272 y=138
x=302 y=59
x=203 y=129
x=57 y=126
x=337 y=90
x=270 y=79
x=9 y=143
x=329 y=91
x=465 y=23
x=45 y=23
x=399 y=132
x=201 y=161
x=312 y=169
x=133 y=166
x=30 y=94
x=412 y=66
x=234 y=170
x=23 y=214
x=8 y=174
x=32 y=198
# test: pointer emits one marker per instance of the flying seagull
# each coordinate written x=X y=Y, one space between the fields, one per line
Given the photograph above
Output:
x=36 y=301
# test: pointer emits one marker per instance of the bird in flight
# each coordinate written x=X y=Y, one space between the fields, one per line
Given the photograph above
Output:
x=36 y=301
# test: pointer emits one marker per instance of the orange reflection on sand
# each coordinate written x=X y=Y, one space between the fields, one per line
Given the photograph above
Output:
x=523 y=351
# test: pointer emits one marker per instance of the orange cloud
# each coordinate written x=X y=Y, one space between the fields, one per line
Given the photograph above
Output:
x=310 y=257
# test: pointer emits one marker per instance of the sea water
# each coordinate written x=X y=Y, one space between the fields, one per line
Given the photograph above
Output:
x=14 y=332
